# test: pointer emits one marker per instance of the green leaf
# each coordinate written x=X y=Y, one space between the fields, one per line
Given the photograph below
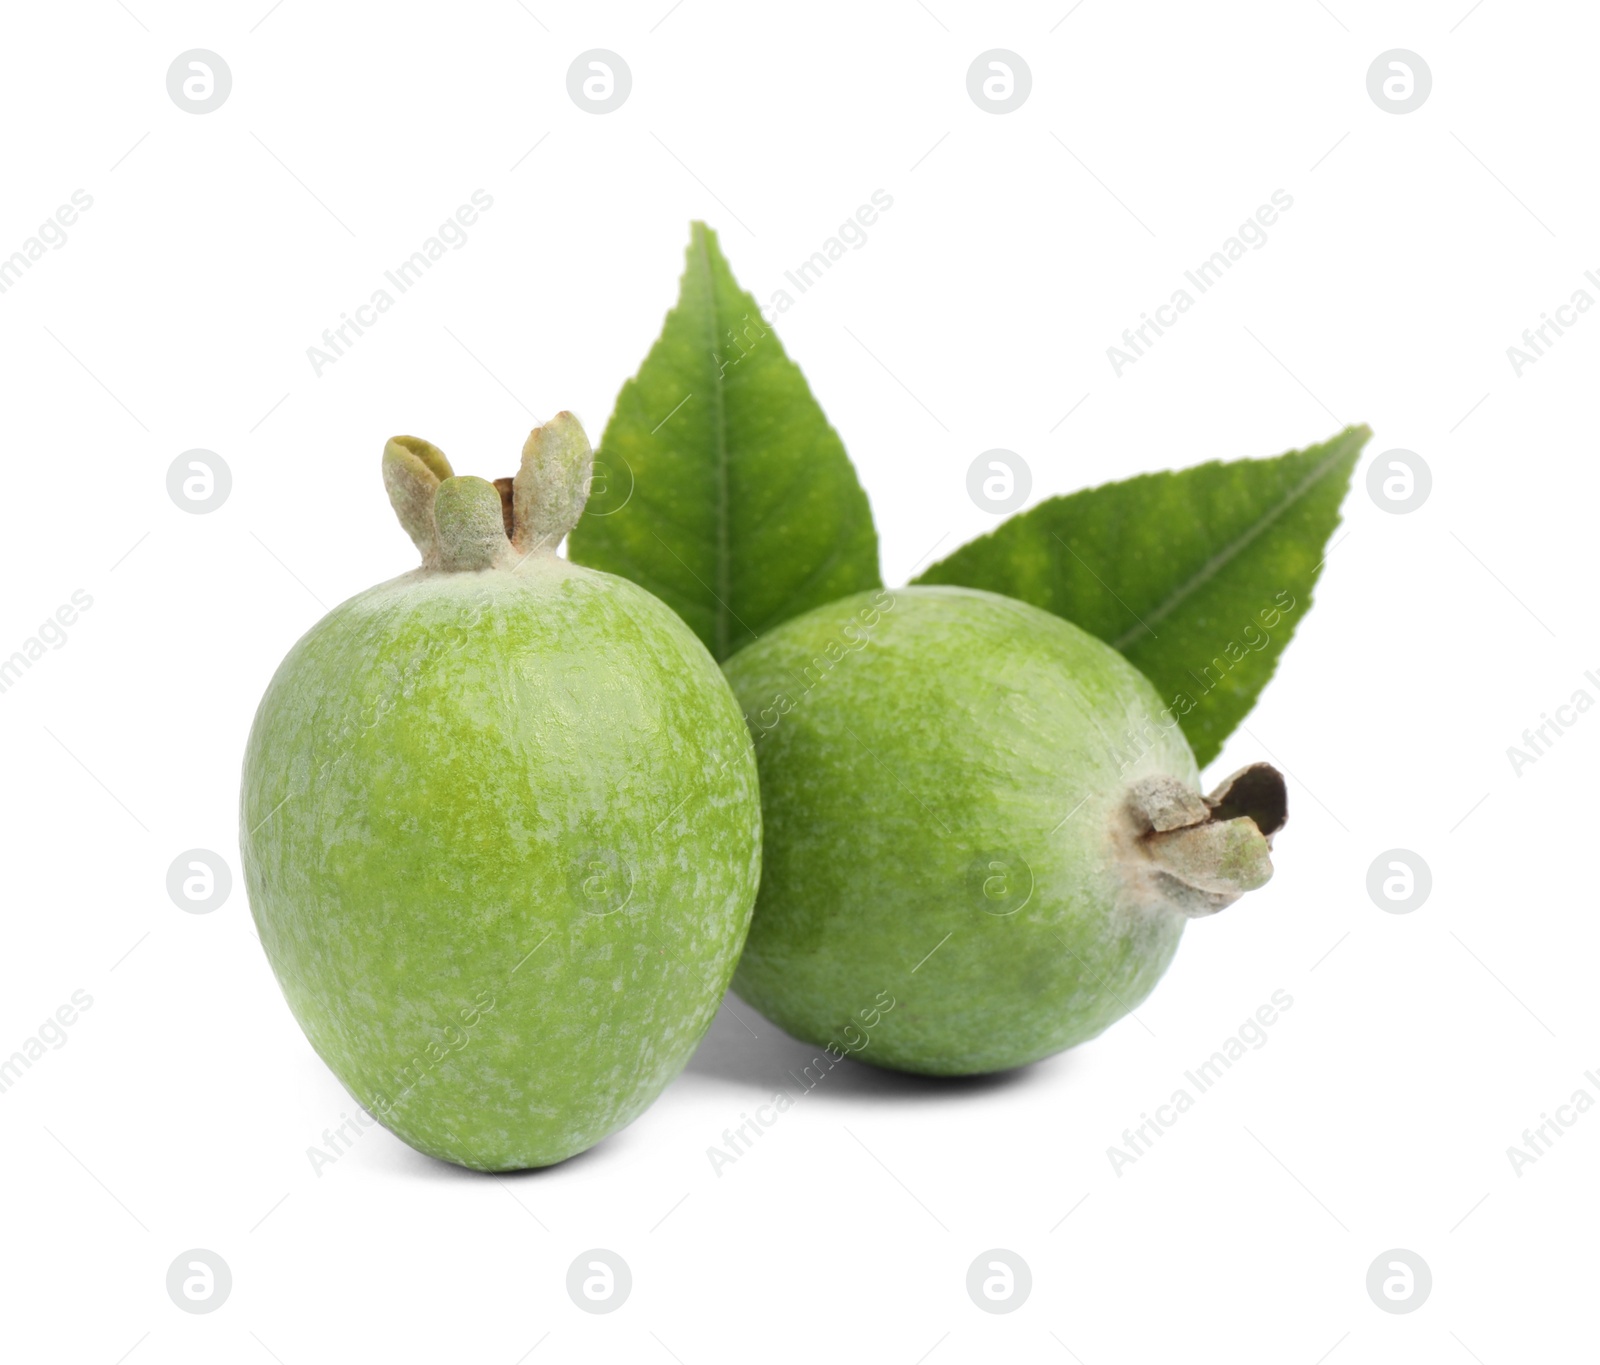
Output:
x=1199 y=577
x=720 y=485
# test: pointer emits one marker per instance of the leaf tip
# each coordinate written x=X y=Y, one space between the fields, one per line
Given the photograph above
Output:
x=703 y=237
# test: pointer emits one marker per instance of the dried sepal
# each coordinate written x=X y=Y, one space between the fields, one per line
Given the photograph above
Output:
x=471 y=527
x=1202 y=853
x=552 y=484
x=412 y=471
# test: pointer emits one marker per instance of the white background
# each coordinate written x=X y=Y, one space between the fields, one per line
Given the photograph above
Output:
x=177 y=315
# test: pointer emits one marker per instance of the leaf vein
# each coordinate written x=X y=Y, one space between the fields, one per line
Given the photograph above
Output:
x=1213 y=566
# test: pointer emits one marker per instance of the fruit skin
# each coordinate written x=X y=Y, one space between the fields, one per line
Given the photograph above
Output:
x=501 y=836
x=946 y=779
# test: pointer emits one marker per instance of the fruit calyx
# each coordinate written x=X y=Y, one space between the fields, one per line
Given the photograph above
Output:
x=1199 y=854
x=460 y=522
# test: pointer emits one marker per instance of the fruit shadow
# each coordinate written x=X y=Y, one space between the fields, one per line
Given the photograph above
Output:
x=743 y=1048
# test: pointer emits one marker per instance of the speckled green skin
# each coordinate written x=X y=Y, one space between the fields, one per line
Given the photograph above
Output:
x=908 y=741
x=501 y=835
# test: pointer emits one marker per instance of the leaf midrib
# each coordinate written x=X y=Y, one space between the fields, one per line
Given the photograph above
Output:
x=1213 y=566
x=723 y=573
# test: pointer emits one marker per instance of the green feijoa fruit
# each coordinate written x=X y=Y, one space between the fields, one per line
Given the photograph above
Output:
x=983 y=832
x=500 y=825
